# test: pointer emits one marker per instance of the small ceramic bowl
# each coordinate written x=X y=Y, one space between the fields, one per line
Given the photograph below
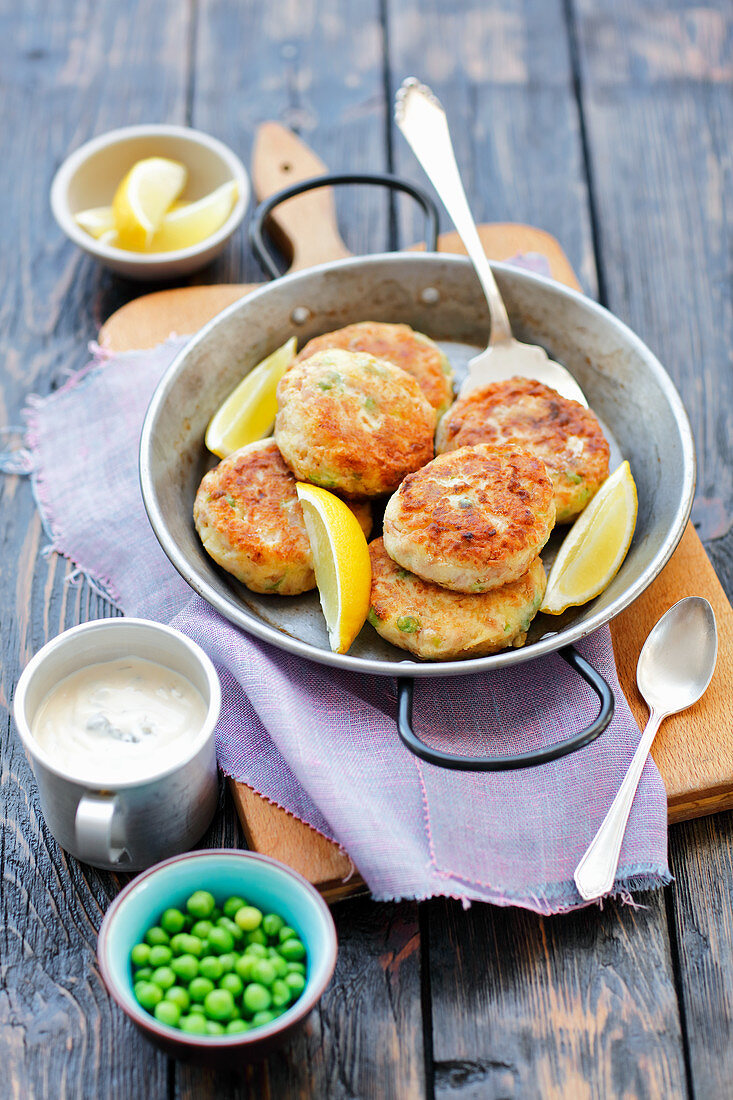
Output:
x=89 y=178
x=264 y=882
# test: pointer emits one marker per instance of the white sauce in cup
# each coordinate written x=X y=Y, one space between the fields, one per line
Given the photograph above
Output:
x=129 y=717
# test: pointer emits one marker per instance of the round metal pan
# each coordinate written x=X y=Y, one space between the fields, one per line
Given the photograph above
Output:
x=437 y=294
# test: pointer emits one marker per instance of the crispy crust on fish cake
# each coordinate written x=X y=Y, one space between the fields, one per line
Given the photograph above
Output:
x=435 y=624
x=250 y=521
x=399 y=344
x=473 y=519
x=566 y=436
x=350 y=422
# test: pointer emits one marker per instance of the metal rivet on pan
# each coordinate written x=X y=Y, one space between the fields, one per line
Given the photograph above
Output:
x=300 y=315
x=430 y=295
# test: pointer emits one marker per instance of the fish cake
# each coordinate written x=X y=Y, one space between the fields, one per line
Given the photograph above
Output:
x=564 y=434
x=472 y=519
x=250 y=521
x=399 y=344
x=436 y=624
x=350 y=422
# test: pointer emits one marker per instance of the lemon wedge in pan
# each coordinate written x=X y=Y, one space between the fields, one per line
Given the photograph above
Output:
x=249 y=411
x=341 y=561
x=143 y=198
x=595 y=545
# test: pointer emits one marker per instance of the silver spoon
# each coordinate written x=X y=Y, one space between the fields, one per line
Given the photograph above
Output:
x=420 y=116
x=675 y=667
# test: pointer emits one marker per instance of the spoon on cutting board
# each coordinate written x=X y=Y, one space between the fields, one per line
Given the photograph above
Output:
x=420 y=116
x=675 y=668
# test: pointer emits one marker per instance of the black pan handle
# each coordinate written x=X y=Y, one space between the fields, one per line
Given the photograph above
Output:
x=257 y=225
x=405 y=690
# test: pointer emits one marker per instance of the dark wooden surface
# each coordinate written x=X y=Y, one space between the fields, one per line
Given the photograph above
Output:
x=610 y=126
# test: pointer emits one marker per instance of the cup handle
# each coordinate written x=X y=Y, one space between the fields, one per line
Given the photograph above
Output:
x=95 y=840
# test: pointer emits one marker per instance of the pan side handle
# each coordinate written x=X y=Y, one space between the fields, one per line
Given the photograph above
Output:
x=262 y=251
x=405 y=690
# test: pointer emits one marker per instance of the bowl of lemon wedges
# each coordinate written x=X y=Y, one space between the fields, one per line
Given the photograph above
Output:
x=151 y=202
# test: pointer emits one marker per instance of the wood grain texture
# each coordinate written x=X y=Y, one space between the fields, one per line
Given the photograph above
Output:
x=579 y=1006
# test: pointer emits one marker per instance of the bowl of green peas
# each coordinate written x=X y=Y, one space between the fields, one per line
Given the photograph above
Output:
x=218 y=955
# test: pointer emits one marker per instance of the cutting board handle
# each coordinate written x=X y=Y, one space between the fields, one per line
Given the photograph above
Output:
x=257 y=225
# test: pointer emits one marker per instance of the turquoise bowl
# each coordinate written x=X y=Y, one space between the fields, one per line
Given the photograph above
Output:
x=270 y=886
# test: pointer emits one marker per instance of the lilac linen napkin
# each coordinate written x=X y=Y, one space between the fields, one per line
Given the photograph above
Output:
x=322 y=743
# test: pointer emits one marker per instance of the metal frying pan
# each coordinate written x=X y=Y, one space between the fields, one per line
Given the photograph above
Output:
x=437 y=294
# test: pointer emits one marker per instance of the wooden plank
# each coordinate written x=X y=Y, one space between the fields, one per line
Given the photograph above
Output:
x=656 y=97
x=69 y=71
x=579 y=1006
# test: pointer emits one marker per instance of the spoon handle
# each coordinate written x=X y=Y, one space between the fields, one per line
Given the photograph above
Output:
x=596 y=872
x=420 y=116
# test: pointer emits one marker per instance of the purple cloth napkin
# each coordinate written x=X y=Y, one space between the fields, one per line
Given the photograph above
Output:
x=322 y=743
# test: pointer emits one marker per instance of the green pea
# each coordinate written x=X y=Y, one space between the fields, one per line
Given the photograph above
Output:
x=185 y=967
x=156 y=935
x=164 y=977
x=231 y=905
x=140 y=954
x=232 y=927
x=220 y=941
x=201 y=929
x=237 y=1027
x=210 y=967
x=167 y=1013
x=227 y=961
x=186 y=944
x=408 y=624
x=286 y=933
x=257 y=950
x=261 y=1018
x=160 y=955
x=256 y=936
x=172 y=921
x=272 y=923
x=248 y=918
x=177 y=995
x=292 y=949
x=264 y=972
x=148 y=995
x=256 y=997
x=296 y=968
x=193 y=1024
x=201 y=904
x=296 y=983
x=281 y=993
x=279 y=965
x=233 y=984
x=219 y=1004
x=244 y=965
x=213 y=1027
x=144 y=974
x=199 y=988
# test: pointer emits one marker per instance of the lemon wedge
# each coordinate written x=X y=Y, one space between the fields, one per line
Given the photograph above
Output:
x=195 y=221
x=249 y=411
x=98 y=221
x=595 y=545
x=143 y=198
x=341 y=562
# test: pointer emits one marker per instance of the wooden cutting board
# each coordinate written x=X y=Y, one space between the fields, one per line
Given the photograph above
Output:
x=693 y=750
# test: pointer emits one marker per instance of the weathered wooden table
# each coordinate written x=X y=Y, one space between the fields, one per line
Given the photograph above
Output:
x=610 y=126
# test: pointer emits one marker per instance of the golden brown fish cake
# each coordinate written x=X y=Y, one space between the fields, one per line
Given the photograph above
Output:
x=249 y=518
x=472 y=519
x=354 y=423
x=439 y=625
x=399 y=344
x=566 y=436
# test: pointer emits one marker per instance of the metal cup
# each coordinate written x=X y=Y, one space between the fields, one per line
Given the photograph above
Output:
x=123 y=825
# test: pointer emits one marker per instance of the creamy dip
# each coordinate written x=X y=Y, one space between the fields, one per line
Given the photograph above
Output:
x=125 y=718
